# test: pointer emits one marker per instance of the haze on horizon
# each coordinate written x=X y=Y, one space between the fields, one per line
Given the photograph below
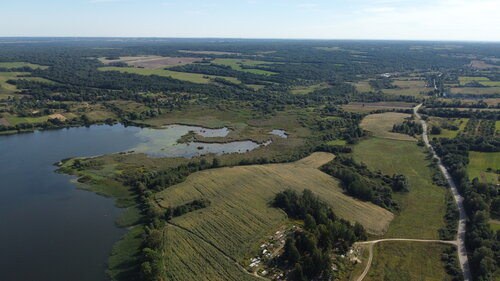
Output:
x=321 y=19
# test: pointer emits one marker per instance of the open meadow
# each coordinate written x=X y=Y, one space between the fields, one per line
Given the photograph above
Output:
x=184 y=76
x=394 y=261
x=380 y=125
x=484 y=166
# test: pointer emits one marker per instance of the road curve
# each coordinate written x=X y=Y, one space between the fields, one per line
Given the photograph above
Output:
x=462 y=251
x=373 y=242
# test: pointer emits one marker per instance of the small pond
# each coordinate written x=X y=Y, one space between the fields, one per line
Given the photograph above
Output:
x=281 y=133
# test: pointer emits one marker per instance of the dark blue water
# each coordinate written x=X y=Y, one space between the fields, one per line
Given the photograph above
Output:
x=49 y=230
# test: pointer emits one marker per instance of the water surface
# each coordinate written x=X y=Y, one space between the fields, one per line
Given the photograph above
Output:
x=51 y=231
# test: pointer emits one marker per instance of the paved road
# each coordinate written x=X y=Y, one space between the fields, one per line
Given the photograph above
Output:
x=462 y=252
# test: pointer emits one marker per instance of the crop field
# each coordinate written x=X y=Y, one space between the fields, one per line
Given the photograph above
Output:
x=422 y=208
x=245 y=65
x=495 y=225
x=463 y=80
x=480 y=162
x=476 y=90
x=190 y=77
x=240 y=215
x=371 y=106
x=152 y=62
x=394 y=261
x=21 y=64
x=381 y=125
x=407 y=88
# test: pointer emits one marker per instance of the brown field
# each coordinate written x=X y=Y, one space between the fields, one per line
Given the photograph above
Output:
x=476 y=91
x=217 y=53
x=370 y=106
x=483 y=65
x=153 y=62
x=58 y=116
x=381 y=125
x=4 y=122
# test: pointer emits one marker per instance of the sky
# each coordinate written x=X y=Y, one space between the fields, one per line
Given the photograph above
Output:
x=472 y=20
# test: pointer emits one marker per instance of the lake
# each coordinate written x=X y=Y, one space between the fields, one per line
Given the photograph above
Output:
x=50 y=230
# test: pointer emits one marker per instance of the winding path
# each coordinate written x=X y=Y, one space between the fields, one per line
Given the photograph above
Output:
x=460 y=242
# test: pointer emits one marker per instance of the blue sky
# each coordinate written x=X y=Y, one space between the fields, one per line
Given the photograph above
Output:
x=322 y=19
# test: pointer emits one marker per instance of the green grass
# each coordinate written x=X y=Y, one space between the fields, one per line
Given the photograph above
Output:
x=21 y=64
x=380 y=125
x=9 y=89
x=476 y=90
x=482 y=80
x=398 y=261
x=337 y=142
x=422 y=208
x=479 y=162
x=190 y=77
x=14 y=120
x=407 y=88
x=125 y=256
x=495 y=226
x=303 y=90
x=239 y=215
x=237 y=64
x=446 y=133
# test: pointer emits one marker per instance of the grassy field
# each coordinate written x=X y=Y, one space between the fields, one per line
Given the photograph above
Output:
x=365 y=107
x=422 y=208
x=476 y=90
x=479 y=162
x=495 y=225
x=303 y=90
x=446 y=133
x=7 y=89
x=407 y=88
x=21 y=64
x=190 y=77
x=463 y=80
x=363 y=86
x=381 y=125
x=337 y=142
x=239 y=215
x=239 y=64
x=397 y=261
x=152 y=62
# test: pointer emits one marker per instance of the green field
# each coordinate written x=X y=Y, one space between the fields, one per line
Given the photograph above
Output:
x=239 y=215
x=237 y=64
x=446 y=133
x=495 y=225
x=21 y=64
x=463 y=80
x=476 y=90
x=337 y=142
x=479 y=162
x=422 y=208
x=407 y=88
x=303 y=90
x=14 y=120
x=9 y=89
x=398 y=261
x=190 y=77
x=381 y=125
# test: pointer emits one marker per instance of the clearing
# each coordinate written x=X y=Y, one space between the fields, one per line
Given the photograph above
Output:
x=152 y=62
x=245 y=65
x=381 y=125
x=480 y=162
x=185 y=76
x=365 y=107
